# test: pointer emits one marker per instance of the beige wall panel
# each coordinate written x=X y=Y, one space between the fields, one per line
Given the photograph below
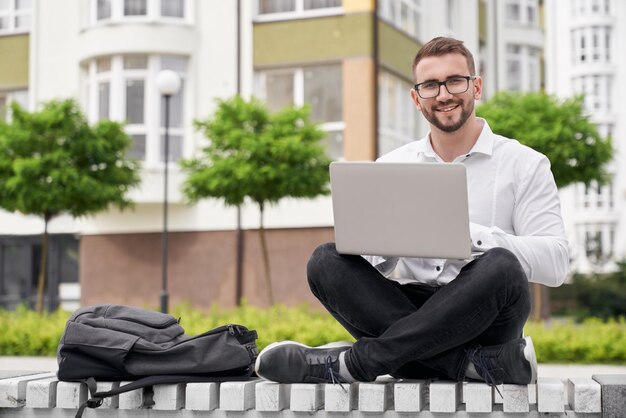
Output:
x=396 y=50
x=312 y=40
x=14 y=62
x=126 y=268
x=356 y=6
x=359 y=109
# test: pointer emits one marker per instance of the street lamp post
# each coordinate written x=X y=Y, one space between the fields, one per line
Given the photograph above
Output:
x=168 y=83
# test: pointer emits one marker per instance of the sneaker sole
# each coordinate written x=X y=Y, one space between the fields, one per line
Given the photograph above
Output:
x=531 y=356
x=257 y=363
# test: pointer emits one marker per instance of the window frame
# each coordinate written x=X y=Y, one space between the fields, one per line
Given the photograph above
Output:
x=399 y=122
x=524 y=8
x=298 y=99
x=12 y=14
x=153 y=14
x=391 y=12
x=151 y=128
x=298 y=13
x=528 y=62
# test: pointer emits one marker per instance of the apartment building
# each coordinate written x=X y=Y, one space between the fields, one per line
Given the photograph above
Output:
x=511 y=47
x=350 y=60
x=583 y=56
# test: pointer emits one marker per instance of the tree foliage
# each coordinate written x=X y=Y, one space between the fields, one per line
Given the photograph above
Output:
x=258 y=155
x=558 y=129
x=53 y=162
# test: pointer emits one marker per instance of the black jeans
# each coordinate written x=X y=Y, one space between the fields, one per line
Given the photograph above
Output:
x=419 y=331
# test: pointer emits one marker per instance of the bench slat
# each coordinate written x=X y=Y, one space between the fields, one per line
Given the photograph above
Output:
x=584 y=395
x=550 y=395
x=13 y=389
x=202 y=396
x=409 y=396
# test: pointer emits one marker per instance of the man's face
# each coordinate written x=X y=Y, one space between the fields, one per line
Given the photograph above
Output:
x=447 y=112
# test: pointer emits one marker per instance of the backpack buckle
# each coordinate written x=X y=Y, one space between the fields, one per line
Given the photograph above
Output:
x=94 y=402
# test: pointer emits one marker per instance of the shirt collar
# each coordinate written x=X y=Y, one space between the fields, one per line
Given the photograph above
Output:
x=484 y=144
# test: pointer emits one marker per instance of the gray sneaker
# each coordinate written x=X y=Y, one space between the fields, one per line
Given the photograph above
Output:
x=514 y=362
x=292 y=362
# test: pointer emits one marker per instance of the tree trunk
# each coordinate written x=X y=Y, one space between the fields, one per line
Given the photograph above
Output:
x=43 y=265
x=239 y=260
x=541 y=302
x=266 y=259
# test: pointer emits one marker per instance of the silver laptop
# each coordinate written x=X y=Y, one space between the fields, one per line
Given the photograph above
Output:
x=401 y=209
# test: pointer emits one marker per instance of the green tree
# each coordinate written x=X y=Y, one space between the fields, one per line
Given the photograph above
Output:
x=258 y=155
x=560 y=130
x=53 y=162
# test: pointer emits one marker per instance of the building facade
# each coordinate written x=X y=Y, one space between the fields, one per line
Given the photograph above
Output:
x=584 y=57
x=350 y=60
x=511 y=47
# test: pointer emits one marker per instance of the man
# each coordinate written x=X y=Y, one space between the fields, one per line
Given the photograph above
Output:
x=455 y=319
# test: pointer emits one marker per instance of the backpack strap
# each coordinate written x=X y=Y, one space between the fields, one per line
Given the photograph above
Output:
x=97 y=398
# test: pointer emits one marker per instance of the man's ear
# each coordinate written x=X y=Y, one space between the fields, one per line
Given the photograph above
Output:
x=478 y=87
x=416 y=99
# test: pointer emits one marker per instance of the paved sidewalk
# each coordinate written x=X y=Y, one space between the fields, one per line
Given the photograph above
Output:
x=561 y=371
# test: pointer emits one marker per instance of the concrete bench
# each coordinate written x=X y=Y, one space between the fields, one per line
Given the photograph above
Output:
x=42 y=395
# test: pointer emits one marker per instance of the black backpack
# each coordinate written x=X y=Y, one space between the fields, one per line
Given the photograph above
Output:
x=116 y=342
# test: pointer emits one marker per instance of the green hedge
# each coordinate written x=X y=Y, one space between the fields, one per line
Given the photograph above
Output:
x=24 y=332
x=600 y=294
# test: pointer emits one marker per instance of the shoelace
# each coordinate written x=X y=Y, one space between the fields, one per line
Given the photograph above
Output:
x=324 y=371
x=483 y=367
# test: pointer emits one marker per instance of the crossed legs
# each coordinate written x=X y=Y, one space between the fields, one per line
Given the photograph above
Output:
x=415 y=330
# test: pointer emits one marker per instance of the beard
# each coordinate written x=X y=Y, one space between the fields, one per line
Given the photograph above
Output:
x=434 y=119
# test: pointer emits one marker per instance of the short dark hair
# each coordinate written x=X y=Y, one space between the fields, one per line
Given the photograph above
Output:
x=439 y=46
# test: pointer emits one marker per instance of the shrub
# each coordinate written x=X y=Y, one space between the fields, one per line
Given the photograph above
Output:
x=592 y=341
x=599 y=295
x=24 y=332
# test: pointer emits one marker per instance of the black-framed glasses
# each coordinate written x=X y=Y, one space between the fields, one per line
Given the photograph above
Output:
x=455 y=85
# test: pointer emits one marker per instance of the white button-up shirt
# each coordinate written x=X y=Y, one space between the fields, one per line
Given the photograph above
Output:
x=513 y=204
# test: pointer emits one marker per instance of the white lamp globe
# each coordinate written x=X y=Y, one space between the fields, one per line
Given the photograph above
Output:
x=168 y=82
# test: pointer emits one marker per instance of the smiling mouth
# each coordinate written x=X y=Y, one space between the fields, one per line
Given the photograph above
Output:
x=448 y=108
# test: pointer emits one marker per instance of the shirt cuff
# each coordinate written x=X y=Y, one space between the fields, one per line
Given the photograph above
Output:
x=482 y=237
x=385 y=265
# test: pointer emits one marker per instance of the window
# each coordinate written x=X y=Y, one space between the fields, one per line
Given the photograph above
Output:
x=7 y=97
x=173 y=8
x=399 y=120
x=522 y=68
x=597 y=90
x=14 y=16
x=321 y=4
x=592 y=44
x=151 y=10
x=514 y=67
x=595 y=7
x=103 y=9
x=135 y=7
x=19 y=268
x=594 y=196
x=122 y=88
x=452 y=15
x=318 y=86
x=405 y=15
x=276 y=9
x=513 y=13
x=597 y=241
x=322 y=91
x=523 y=12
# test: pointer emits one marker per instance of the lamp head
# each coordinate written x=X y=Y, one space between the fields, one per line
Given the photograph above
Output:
x=168 y=82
